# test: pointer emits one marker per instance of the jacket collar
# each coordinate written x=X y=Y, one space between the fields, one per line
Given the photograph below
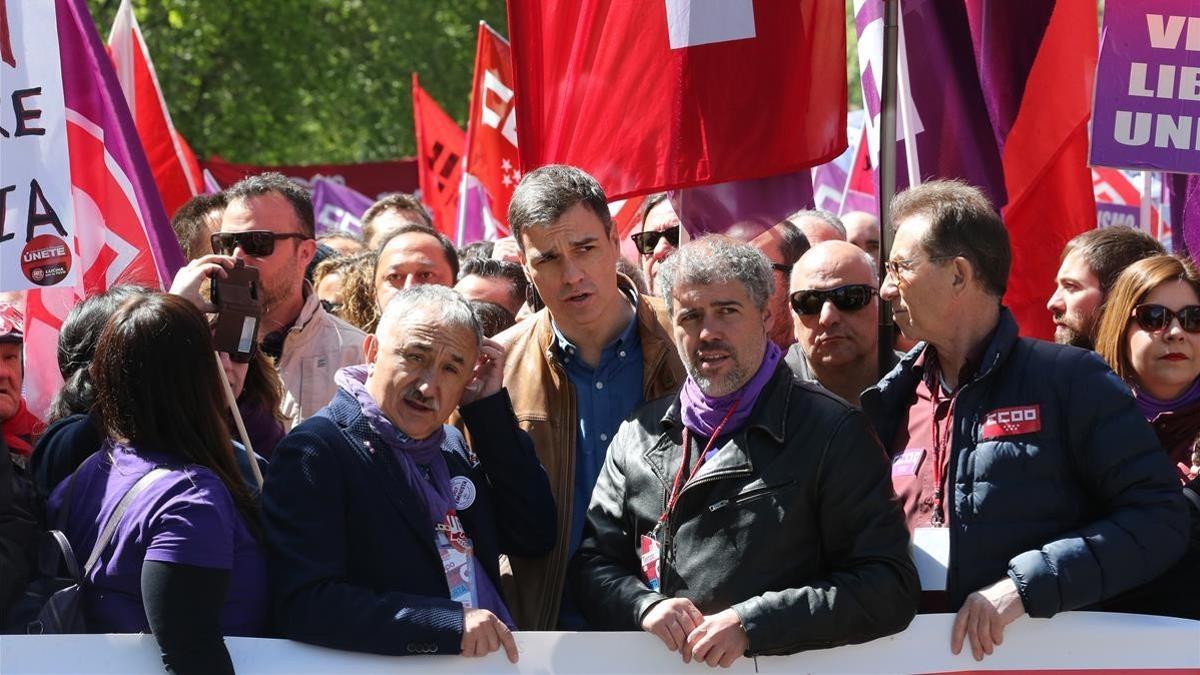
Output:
x=656 y=343
x=346 y=413
x=770 y=416
x=885 y=401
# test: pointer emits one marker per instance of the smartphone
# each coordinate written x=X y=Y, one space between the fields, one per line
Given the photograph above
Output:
x=238 y=298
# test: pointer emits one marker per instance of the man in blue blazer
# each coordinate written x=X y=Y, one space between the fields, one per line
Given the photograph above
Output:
x=385 y=529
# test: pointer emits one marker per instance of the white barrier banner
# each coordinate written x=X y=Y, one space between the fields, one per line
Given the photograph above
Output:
x=1080 y=642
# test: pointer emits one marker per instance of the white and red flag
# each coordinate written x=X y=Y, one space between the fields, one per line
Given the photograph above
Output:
x=176 y=171
x=665 y=94
x=492 y=163
x=95 y=191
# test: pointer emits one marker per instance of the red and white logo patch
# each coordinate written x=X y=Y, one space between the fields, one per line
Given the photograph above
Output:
x=1022 y=419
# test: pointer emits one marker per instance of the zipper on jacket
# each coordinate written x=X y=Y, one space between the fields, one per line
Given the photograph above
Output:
x=750 y=496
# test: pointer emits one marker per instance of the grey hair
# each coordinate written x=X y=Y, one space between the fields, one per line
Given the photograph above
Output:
x=716 y=259
x=821 y=214
x=546 y=193
x=452 y=308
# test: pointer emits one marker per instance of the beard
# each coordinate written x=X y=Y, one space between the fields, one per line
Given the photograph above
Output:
x=722 y=384
x=1067 y=335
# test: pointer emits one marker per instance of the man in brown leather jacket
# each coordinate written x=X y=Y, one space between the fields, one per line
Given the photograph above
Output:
x=575 y=369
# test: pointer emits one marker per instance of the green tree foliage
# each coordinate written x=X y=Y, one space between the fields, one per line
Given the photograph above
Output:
x=307 y=81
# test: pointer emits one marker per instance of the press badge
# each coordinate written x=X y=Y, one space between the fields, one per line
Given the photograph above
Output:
x=908 y=462
x=458 y=555
x=648 y=551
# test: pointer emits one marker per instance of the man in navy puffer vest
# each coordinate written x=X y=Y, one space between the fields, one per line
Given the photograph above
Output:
x=1025 y=463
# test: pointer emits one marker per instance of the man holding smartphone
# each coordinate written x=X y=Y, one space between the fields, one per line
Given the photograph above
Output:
x=269 y=225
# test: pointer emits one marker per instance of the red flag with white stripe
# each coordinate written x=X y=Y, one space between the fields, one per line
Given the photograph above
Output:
x=176 y=171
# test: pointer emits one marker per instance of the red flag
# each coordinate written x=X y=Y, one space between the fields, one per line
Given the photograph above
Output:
x=651 y=96
x=176 y=171
x=1037 y=63
x=439 y=159
x=492 y=126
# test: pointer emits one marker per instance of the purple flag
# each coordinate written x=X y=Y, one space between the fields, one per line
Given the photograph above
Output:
x=475 y=220
x=742 y=209
x=942 y=94
x=1146 y=103
x=1190 y=222
x=338 y=208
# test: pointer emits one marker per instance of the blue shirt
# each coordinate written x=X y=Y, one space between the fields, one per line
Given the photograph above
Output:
x=604 y=397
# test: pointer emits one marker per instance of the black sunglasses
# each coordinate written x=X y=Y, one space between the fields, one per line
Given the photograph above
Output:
x=850 y=298
x=258 y=243
x=646 y=242
x=1153 y=318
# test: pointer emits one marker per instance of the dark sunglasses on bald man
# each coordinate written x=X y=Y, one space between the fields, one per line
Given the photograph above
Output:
x=646 y=242
x=258 y=243
x=849 y=298
x=1153 y=318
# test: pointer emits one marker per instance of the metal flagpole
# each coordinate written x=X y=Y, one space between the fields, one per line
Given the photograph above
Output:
x=887 y=168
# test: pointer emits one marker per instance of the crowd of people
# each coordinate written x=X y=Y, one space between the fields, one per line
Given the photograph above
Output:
x=539 y=434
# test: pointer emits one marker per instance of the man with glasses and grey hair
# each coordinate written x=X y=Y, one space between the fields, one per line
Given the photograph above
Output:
x=751 y=513
x=385 y=527
x=268 y=224
x=836 y=308
x=1030 y=479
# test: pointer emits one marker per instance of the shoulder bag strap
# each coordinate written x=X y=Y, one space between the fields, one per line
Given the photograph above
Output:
x=114 y=519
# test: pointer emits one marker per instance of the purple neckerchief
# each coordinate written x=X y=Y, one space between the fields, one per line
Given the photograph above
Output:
x=1152 y=407
x=702 y=413
x=412 y=455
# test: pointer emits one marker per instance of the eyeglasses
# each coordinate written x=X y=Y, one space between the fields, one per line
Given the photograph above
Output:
x=1153 y=318
x=646 y=242
x=258 y=243
x=780 y=267
x=895 y=267
x=849 y=298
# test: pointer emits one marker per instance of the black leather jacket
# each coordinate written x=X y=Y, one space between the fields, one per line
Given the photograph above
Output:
x=793 y=524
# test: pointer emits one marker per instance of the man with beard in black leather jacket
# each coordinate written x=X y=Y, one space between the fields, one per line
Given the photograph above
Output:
x=752 y=513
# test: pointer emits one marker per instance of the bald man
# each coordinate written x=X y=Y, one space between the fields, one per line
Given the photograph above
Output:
x=819 y=225
x=835 y=301
x=862 y=230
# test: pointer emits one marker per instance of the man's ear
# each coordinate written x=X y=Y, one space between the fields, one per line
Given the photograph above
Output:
x=371 y=350
x=307 y=251
x=963 y=272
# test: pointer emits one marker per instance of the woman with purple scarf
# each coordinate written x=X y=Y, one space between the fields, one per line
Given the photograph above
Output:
x=385 y=527
x=1150 y=336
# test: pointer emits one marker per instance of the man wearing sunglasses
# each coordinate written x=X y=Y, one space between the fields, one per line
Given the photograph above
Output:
x=269 y=224
x=836 y=306
x=1025 y=467
x=658 y=237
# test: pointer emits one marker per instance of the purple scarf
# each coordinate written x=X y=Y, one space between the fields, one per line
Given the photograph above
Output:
x=414 y=454
x=703 y=413
x=1152 y=407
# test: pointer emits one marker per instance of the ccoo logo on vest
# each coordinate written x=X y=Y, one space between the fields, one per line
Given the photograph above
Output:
x=1022 y=419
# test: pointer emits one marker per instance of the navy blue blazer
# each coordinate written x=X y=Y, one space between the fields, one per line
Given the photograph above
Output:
x=353 y=560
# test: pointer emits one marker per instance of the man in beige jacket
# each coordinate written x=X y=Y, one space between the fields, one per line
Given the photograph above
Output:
x=269 y=224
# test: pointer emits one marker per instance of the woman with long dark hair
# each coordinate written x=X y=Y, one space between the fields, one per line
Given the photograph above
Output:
x=185 y=561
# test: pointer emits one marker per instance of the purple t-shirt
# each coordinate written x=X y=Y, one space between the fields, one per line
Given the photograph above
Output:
x=186 y=517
